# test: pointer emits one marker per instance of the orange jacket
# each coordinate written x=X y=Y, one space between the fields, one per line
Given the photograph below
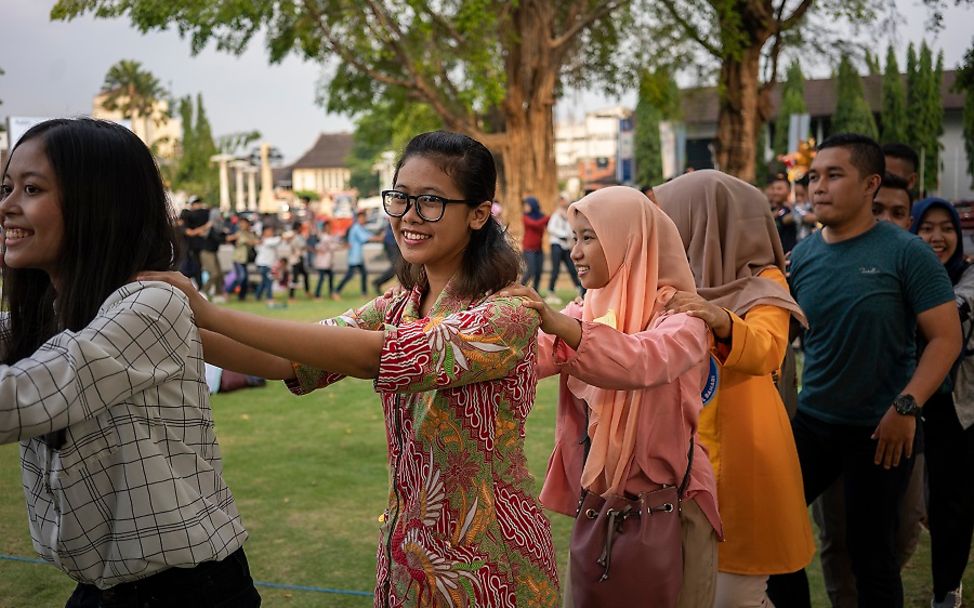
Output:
x=748 y=435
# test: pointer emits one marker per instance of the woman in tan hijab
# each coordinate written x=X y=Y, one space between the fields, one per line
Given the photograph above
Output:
x=741 y=293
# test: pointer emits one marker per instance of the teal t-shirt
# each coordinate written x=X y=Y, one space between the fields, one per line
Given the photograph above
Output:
x=862 y=297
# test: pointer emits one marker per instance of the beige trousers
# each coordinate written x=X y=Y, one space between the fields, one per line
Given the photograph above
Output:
x=741 y=591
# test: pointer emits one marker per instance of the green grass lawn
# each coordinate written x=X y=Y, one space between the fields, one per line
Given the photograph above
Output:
x=310 y=479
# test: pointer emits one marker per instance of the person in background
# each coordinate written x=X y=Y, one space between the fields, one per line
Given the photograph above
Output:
x=358 y=236
x=779 y=197
x=244 y=241
x=534 y=226
x=948 y=417
x=194 y=220
x=299 y=251
x=857 y=411
x=102 y=380
x=324 y=252
x=391 y=248
x=560 y=236
x=265 y=261
x=903 y=162
x=215 y=235
x=803 y=211
x=893 y=201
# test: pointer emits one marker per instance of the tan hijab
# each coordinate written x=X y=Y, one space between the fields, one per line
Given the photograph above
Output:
x=730 y=238
x=647 y=265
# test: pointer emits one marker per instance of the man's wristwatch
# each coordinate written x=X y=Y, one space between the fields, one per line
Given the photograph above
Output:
x=906 y=405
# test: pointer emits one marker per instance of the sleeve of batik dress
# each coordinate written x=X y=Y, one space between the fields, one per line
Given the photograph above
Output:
x=610 y=359
x=369 y=316
x=483 y=343
x=758 y=340
x=547 y=344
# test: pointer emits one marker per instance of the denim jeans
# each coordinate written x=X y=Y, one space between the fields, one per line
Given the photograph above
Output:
x=240 y=280
x=533 y=260
x=266 y=283
x=561 y=256
x=223 y=584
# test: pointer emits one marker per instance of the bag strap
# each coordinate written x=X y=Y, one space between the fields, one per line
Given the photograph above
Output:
x=686 y=476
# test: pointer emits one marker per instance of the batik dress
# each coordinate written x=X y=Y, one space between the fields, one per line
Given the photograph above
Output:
x=463 y=526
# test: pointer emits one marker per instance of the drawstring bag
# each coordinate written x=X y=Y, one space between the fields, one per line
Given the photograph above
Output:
x=629 y=551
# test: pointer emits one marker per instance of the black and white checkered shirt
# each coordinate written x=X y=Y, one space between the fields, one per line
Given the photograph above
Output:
x=137 y=487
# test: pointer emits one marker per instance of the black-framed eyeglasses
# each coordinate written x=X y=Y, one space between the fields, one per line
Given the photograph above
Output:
x=429 y=206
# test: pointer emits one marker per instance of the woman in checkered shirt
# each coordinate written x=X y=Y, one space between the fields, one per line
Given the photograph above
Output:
x=102 y=379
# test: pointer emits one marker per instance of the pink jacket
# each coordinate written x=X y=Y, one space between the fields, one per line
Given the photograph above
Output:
x=669 y=363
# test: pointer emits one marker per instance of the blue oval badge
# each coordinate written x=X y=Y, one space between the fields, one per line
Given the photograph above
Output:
x=713 y=381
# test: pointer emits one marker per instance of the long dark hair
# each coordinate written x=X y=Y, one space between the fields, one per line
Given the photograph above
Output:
x=490 y=263
x=117 y=222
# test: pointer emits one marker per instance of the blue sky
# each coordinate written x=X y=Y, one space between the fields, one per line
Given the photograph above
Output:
x=55 y=68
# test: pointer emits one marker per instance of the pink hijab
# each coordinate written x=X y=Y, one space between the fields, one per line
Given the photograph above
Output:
x=647 y=265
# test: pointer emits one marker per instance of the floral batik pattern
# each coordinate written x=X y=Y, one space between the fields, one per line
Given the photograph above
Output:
x=462 y=527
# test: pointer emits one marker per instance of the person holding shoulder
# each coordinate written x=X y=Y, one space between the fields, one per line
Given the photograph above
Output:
x=629 y=401
x=738 y=265
x=454 y=364
x=948 y=416
x=102 y=379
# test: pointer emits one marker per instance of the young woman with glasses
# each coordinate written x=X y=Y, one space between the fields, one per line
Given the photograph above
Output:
x=454 y=365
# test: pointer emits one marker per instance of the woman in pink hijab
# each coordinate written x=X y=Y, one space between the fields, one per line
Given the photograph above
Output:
x=631 y=382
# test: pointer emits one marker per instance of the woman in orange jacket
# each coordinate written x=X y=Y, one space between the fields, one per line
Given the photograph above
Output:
x=738 y=267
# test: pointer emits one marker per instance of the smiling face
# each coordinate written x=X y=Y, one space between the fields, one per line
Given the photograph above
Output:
x=937 y=230
x=438 y=244
x=30 y=210
x=587 y=254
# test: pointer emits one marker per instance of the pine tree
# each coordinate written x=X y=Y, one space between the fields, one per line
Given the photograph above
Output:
x=204 y=148
x=184 y=172
x=935 y=117
x=914 y=105
x=925 y=117
x=659 y=100
x=895 y=122
x=852 y=113
x=792 y=102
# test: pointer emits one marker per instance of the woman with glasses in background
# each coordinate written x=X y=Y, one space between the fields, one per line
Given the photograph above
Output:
x=454 y=365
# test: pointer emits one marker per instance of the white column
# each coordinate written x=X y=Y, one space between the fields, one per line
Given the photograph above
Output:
x=238 y=184
x=223 y=159
x=251 y=188
x=267 y=203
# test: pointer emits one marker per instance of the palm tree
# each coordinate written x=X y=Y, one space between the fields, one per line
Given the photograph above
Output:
x=132 y=91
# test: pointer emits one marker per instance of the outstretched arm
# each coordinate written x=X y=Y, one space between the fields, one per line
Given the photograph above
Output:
x=343 y=350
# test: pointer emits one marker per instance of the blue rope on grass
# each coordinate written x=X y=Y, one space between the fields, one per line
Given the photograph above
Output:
x=286 y=587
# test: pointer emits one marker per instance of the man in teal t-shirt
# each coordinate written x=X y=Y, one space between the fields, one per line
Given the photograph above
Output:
x=865 y=287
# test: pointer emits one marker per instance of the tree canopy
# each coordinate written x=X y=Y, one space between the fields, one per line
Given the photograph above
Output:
x=965 y=83
x=852 y=113
x=489 y=68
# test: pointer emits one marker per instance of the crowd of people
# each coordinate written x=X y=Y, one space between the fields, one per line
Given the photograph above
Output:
x=687 y=473
x=273 y=254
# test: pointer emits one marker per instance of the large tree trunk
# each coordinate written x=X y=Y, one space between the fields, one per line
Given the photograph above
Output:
x=739 y=113
x=527 y=147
